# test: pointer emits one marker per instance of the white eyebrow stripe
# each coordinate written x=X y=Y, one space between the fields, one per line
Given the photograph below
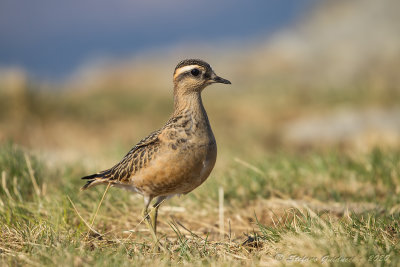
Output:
x=186 y=68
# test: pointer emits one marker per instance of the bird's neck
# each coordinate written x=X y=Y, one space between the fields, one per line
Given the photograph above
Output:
x=188 y=103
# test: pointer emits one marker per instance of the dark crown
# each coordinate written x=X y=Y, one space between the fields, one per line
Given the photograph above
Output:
x=188 y=62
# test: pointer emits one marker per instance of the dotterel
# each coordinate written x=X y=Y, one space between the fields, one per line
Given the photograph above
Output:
x=176 y=158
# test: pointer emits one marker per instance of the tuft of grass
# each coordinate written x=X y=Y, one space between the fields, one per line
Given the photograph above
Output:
x=21 y=173
x=353 y=241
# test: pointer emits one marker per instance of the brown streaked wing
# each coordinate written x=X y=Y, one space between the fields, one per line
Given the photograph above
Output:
x=138 y=157
x=141 y=154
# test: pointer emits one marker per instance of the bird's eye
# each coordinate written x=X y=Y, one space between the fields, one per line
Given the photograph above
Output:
x=195 y=72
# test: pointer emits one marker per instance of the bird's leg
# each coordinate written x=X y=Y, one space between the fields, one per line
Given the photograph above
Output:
x=146 y=217
x=154 y=212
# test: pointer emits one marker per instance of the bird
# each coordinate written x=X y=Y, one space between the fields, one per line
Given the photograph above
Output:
x=175 y=159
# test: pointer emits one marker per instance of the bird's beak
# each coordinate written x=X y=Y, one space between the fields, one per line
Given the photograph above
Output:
x=217 y=79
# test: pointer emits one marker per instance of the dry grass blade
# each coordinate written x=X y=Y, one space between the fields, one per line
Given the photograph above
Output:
x=98 y=207
x=15 y=188
x=221 y=211
x=4 y=184
x=248 y=165
x=31 y=175
x=83 y=220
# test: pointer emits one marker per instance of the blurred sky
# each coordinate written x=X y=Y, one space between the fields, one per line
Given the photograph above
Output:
x=50 y=38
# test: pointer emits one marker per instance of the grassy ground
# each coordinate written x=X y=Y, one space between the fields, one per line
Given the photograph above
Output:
x=267 y=202
x=288 y=208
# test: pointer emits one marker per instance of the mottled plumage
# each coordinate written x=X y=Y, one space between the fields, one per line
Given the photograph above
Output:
x=178 y=157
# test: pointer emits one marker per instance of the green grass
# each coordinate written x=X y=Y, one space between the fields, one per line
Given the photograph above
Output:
x=334 y=208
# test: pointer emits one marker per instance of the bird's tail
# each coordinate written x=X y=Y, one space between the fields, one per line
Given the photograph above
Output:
x=95 y=179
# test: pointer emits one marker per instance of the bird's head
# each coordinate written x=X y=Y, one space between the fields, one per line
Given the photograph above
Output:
x=193 y=75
